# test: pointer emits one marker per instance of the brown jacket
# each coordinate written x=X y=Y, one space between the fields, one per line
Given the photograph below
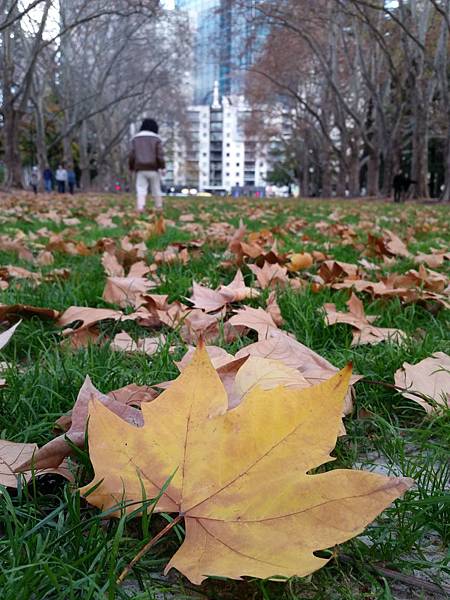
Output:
x=146 y=152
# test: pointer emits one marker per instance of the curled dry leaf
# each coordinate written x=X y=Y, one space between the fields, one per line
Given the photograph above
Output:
x=273 y=309
x=5 y=336
x=198 y=324
x=13 y=454
x=363 y=330
x=126 y=291
x=12 y=311
x=254 y=318
x=54 y=452
x=209 y=300
x=123 y=342
x=218 y=470
x=299 y=262
x=237 y=291
x=112 y=266
x=270 y=275
x=85 y=317
x=430 y=378
x=433 y=261
x=333 y=270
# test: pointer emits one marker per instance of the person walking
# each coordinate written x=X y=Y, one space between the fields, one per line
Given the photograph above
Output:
x=48 y=179
x=61 y=179
x=398 y=184
x=34 y=179
x=146 y=158
x=71 y=179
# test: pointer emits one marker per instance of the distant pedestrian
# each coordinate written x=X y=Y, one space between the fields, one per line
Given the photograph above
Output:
x=407 y=182
x=147 y=159
x=71 y=179
x=34 y=179
x=48 y=179
x=61 y=179
x=398 y=185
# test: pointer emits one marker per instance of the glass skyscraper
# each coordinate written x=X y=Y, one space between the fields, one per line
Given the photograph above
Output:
x=221 y=48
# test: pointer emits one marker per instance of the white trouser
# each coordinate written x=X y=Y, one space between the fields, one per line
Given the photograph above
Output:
x=143 y=179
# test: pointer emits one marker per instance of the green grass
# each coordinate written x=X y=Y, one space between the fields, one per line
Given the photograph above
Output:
x=53 y=545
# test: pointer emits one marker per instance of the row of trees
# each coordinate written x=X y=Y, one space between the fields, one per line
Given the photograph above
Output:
x=366 y=87
x=75 y=74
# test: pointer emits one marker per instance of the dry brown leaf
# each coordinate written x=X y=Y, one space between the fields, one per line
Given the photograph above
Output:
x=270 y=275
x=198 y=324
x=363 y=330
x=253 y=318
x=433 y=261
x=112 y=266
x=299 y=262
x=209 y=300
x=54 y=452
x=45 y=258
x=13 y=454
x=5 y=336
x=12 y=311
x=123 y=342
x=430 y=377
x=85 y=317
x=273 y=309
x=237 y=291
x=333 y=270
x=126 y=291
x=133 y=395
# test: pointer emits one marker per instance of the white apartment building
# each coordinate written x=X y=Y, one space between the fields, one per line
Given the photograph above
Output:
x=214 y=153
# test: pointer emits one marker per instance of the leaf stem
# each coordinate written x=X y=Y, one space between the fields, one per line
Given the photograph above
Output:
x=147 y=547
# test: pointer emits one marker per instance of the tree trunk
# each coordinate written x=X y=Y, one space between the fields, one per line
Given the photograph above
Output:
x=85 y=178
x=13 y=160
x=353 y=175
x=446 y=192
x=419 y=165
x=41 y=144
x=373 y=174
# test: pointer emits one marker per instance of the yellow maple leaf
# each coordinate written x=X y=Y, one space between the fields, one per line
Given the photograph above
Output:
x=240 y=477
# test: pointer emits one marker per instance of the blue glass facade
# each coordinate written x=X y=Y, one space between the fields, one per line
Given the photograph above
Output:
x=206 y=24
x=221 y=48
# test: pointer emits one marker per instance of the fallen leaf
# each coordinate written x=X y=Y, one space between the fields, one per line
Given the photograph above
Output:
x=5 y=336
x=299 y=262
x=209 y=300
x=434 y=261
x=8 y=311
x=430 y=377
x=85 y=317
x=237 y=291
x=123 y=342
x=254 y=318
x=54 y=452
x=112 y=266
x=13 y=454
x=273 y=309
x=249 y=506
x=363 y=330
x=126 y=291
x=270 y=275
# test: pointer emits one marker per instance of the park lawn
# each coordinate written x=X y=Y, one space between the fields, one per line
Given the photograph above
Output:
x=54 y=545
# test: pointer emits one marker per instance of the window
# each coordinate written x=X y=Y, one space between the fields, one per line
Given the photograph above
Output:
x=228 y=154
x=238 y=164
x=228 y=174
